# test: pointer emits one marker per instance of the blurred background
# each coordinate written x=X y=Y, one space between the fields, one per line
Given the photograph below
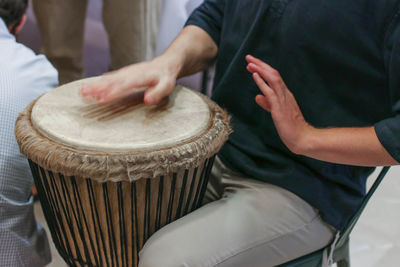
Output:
x=96 y=57
x=95 y=50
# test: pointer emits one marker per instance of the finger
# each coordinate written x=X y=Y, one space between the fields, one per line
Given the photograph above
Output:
x=92 y=90
x=113 y=87
x=263 y=73
x=113 y=94
x=272 y=77
x=135 y=80
x=265 y=89
x=258 y=62
x=101 y=89
x=262 y=101
x=155 y=94
x=278 y=86
x=124 y=89
x=250 y=68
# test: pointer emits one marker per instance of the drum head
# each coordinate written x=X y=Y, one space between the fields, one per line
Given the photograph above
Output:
x=62 y=116
x=124 y=141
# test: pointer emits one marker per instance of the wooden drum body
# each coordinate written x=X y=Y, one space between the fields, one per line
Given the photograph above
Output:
x=106 y=180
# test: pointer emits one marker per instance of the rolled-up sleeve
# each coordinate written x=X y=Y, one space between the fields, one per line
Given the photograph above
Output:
x=388 y=130
x=209 y=16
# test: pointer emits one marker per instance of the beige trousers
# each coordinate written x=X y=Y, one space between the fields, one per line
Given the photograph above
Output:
x=246 y=223
x=131 y=25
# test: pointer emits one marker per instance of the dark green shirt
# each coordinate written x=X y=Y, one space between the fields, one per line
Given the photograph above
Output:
x=341 y=60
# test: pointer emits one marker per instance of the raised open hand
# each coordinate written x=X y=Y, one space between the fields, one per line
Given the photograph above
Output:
x=280 y=102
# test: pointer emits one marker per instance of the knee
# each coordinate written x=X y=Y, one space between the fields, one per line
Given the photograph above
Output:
x=163 y=250
x=162 y=259
x=161 y=256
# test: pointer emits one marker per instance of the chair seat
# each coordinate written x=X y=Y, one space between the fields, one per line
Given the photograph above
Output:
x=340 y=256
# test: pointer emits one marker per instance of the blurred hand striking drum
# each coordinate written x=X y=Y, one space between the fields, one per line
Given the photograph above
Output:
x=108 y=177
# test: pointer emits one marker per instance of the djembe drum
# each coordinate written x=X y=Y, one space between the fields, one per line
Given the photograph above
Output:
x=108 y=177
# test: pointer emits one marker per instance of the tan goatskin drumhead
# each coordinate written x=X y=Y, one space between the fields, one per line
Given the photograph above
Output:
x=62 y=116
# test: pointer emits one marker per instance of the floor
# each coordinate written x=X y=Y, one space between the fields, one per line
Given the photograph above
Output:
x=375 y=242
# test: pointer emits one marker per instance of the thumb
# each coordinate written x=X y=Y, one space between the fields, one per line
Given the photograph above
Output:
x=155 y=94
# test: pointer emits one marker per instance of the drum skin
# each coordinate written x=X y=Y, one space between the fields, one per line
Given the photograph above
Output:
x=126 y=126
x=103 y=199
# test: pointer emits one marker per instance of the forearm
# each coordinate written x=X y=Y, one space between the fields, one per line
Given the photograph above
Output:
x=192 y=51
x=352 y=146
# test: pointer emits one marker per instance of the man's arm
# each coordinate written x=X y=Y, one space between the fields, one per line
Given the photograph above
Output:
x=352 y=146
x=192 y=51
x=196 y=50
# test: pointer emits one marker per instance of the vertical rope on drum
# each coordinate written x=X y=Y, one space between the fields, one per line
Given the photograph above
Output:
x=69 y=223
x=205 y=179
x=77 y=221
x=182 y=194
x=132 y=228
x=54 y=215
x=44 y=201
x=46 y=206
x=146 y=215
x=199 y=186
x=94 y=210
x=59 y=217
x=110 y=228
x=122 y=230
x=78 y=204
x=190 y=191
x=171 y=199
x=148 y=211
x=135 y=237
x=68 y=217
x=159 y=203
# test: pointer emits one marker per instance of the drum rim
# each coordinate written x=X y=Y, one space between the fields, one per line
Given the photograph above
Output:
x=122 y=166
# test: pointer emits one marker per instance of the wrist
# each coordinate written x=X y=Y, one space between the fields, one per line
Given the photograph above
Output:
x=170 y=63
x=308 y=141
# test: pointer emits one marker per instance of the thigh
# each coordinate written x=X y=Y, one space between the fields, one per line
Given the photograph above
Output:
x=254 y=224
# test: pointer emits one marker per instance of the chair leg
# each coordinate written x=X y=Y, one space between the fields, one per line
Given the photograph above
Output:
x=344 y=260
x=343 y=263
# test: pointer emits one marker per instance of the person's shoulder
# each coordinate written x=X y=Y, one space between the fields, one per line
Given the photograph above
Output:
x=26 y=66
x=24 y=59
x=28 y=74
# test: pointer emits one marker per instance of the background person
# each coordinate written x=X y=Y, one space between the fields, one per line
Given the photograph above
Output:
x=131 y=25
x=23 y=77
